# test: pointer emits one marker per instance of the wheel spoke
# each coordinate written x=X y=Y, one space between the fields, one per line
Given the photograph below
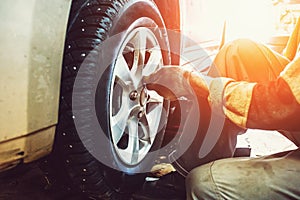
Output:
x=119 y=123
x=153 y=120
x=146 y=138
x=122 y=71
x=154 y=97
x=154 y=62
x=133 y=144
x=142 y=36
x=140 y=45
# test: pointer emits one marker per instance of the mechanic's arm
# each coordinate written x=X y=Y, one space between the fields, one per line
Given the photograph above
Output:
x=274 y=105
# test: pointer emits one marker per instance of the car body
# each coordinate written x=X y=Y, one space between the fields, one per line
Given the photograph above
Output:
x=33 y=55
x=30 y=79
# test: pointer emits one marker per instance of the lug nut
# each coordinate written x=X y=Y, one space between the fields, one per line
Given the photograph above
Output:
x=133 y=95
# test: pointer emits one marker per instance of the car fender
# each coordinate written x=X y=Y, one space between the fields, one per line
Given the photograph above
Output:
x=32 y=41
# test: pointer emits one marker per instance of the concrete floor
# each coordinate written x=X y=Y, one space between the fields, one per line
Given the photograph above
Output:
x=264 y=142
x=27 y=182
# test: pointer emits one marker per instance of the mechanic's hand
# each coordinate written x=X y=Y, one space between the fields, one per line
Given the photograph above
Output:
x=200 y=84
x=171 y=82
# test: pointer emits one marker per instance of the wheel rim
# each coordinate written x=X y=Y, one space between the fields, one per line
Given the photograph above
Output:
x=135 y=111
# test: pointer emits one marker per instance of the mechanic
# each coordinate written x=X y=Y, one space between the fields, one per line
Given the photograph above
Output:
x=257 y=88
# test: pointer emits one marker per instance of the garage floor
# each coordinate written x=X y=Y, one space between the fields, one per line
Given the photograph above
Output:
x=27 y=182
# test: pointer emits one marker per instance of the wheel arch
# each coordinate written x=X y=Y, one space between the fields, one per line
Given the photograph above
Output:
x=171 y=14
x=170 y=11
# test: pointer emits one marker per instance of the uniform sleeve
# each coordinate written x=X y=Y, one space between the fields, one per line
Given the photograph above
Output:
x=272 y=106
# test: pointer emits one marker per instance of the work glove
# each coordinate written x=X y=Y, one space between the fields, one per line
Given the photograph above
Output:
x=173 y=82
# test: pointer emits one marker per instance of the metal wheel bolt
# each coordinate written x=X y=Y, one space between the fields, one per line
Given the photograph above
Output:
x=133 y=95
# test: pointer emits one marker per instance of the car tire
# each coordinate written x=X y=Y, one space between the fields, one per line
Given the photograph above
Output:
x=92 y=24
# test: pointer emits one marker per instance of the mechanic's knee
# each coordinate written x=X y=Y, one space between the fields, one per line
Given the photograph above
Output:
x=242 y=41
x=233 y=56
x=199 y=183
x=239 y=46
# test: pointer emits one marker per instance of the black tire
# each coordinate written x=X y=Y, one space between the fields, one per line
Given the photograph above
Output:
x=90 y=25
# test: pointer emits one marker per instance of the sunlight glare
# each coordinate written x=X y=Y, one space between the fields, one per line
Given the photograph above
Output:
x=254 y=19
